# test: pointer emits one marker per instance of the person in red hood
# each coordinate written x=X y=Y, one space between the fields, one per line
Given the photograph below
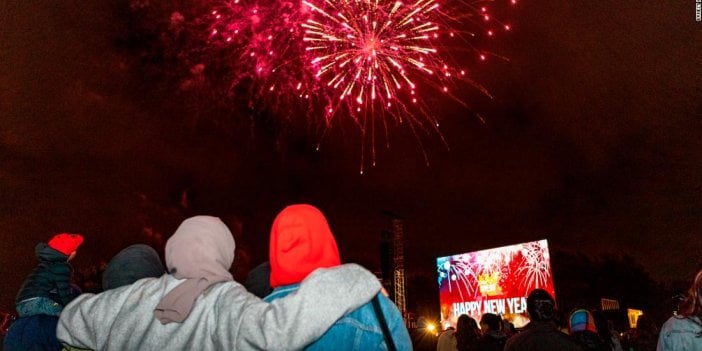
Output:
x=301 y=242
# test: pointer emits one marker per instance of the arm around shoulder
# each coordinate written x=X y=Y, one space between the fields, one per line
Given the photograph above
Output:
x=292 y=322
x=74 y=328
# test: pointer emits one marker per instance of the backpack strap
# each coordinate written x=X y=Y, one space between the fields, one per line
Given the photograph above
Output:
x=383 y=324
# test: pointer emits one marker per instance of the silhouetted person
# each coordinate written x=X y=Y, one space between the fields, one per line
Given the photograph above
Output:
x=494 y=338
x=541 y=334
x=447 y=340
x=562 y=321
x=508 y=328
x=584 y=330
x=645 y=336
x=604 y=326
x=467 y=333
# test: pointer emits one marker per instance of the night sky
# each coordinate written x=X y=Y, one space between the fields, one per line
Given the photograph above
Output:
x=593 y=140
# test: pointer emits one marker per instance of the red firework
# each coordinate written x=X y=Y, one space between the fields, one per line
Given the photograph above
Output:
x=368 y=60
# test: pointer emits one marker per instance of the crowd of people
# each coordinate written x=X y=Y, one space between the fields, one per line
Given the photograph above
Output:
x=193 y=303
x=584 y=330
x=301 y=298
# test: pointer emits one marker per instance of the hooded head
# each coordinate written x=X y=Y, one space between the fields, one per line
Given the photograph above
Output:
x=258 y=282
x=131 y=264
x=581 y=320
x=492 y=321
x=200 y=252
x=65 y=243
x=540 y=306
x=301 y=242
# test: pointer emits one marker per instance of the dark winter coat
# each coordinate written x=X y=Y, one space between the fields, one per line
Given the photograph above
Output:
x=51 y=278
x=591 y=341
x=541 y=336
x=37 y=332
x=492 y=341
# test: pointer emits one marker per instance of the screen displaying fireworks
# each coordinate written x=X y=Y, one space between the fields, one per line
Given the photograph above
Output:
x=495 y=280
x=374 y=62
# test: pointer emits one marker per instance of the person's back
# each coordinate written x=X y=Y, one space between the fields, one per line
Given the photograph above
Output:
x=36 y=332
x=467 y=333
x=584 y=330
x=684 y=331
x=301 y=242
x=492 y=342
x=681 y=334
x=47 y=289
x=642 y=342
x=359 y=329
x=131 y=326
x=44 y=293
x=645 y=336
x=607 y=335
x=541 y=334
x=493 y=338
x=213 y=312
x=446 y=340
x=590 y=341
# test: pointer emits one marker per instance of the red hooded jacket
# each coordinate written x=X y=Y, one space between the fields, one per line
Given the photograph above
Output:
x=301 y=242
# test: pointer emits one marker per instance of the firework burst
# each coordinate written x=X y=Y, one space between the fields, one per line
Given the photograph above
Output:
x=374 y=62
x=460 y=272
x=528 y=262
x=372 y=55
x=535 y=266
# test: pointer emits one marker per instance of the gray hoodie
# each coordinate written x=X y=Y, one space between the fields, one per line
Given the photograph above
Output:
x=224 y=317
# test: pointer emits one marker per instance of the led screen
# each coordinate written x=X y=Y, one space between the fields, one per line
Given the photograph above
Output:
x=494 y=280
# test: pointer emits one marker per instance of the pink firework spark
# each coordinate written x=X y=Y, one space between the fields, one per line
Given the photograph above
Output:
x=261 y=43
x=373 y=54
x=373 y=61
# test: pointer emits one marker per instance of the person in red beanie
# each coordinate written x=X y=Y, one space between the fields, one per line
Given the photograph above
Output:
x=302 y=242
x=48 y=288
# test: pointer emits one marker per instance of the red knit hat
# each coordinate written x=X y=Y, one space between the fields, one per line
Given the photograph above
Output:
x=65 y=243
x=301 y=242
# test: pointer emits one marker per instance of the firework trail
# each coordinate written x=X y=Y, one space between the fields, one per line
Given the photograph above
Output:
x=373 y=62
x=461 y=272
x=535 y=265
